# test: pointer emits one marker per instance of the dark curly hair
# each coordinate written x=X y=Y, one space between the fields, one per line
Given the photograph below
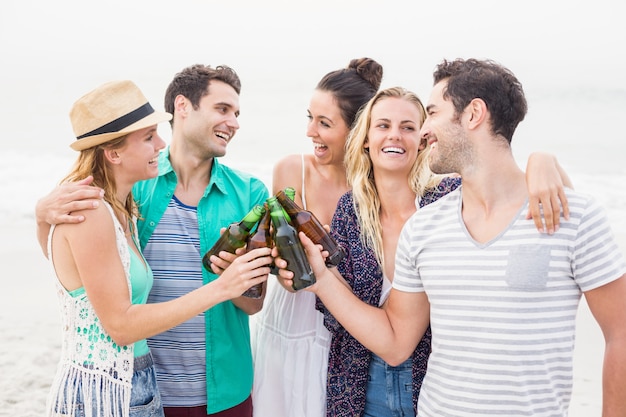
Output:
x=491 y=82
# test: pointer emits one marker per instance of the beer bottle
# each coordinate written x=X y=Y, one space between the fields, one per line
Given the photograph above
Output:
x=291 y=193
x=261 y=238
x=234 y=236
x=289 y=247
x=305 y=221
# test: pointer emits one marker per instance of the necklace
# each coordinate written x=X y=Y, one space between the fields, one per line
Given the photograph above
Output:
x=128 y=229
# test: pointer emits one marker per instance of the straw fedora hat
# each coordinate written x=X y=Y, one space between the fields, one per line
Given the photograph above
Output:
x=112 y=110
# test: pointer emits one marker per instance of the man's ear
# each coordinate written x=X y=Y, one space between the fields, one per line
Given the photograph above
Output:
x=180 y=105
x=477 y=113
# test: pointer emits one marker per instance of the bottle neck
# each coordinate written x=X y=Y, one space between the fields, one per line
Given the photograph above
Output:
x=288 y=204
x=247 y=225
x=251 y=219
x=264 y=224
x=276 y=213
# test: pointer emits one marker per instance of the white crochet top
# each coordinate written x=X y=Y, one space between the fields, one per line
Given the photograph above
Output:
x=93 y=369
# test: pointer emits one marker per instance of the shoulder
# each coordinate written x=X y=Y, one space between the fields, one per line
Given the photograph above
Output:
x=287 y=172
x=580 y=199
x=345 y=207
x=344 y=213
x=287 y=166
x=289 y=162
x=239 y=181
x=235 y=174
x=439 y=210
x=98 y=223
x=346 y=199
x=450 y=183
x=584 y=206
x=445 y=187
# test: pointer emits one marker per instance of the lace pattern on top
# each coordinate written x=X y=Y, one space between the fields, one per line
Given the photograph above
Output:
x=94 y=373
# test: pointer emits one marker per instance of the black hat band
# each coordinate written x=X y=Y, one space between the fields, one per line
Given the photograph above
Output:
x=121 y=122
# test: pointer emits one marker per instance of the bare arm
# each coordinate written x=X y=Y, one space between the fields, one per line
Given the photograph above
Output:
x=102 y=275
x=57 y=207
x=392 y=333
x=607 y=306
x=546 y=181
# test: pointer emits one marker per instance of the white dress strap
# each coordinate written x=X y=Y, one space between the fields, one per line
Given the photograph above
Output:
x=303 y=193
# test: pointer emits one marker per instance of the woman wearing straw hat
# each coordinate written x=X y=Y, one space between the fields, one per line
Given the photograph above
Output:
x=103 y=280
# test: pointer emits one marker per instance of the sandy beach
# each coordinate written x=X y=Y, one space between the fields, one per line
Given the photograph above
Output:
x=30 y=336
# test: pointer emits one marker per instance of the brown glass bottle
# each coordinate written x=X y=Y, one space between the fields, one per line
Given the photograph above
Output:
x=305 y=221
x=261 y=238
x=289 y=247
x=234 y=236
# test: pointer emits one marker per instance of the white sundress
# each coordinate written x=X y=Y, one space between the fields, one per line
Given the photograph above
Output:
x=290 y=347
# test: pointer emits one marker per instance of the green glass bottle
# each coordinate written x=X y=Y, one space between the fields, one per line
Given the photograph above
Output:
x=261 y=238
x=291 y=193
x=235 y=235
x=289 y=247
x=305 y=221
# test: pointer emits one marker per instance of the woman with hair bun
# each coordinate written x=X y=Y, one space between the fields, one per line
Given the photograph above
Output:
x=291 y=346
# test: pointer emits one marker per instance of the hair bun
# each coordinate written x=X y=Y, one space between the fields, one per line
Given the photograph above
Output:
x=368 y=69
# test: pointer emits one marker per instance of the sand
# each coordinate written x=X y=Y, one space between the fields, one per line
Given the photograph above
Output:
x=30 y=330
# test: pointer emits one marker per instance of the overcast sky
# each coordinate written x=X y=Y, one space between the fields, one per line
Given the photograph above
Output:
x=63 y=34
x=54 y=51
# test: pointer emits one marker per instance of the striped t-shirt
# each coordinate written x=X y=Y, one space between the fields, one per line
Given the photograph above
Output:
x=173 y=252
x=503 y=313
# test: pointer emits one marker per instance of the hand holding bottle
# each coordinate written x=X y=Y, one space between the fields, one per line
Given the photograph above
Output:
x=245 y=271
x=235 y=235
x=305 y=221
x=316 y=257
x=287 y=245
x=220 y=263
x=261 y=238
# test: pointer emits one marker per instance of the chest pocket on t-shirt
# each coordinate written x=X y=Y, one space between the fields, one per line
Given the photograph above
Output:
x=527 y=267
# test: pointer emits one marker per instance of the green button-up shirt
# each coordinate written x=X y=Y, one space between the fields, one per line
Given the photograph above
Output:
x=228 y=197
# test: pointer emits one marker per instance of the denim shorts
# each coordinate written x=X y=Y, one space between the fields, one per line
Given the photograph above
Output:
x=389 y=389
x=145 y=399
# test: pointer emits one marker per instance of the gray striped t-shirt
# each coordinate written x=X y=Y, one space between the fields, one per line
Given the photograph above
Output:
x=503 y=313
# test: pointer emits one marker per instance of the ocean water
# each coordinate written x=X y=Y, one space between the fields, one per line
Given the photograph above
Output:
x=582 y=127
x=53 y=52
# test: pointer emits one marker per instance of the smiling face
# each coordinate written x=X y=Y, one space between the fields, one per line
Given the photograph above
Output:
x=138 y=156
x=210 y=127
x=326 y=128
x=393 y=136
x=449 y=147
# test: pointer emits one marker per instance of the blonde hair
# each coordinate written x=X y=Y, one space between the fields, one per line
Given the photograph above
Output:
x=92 y=161
x=360 y=175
